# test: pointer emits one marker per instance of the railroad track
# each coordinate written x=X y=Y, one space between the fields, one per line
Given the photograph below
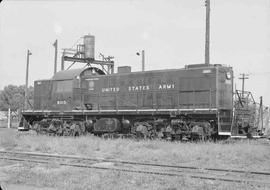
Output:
x=227 y=175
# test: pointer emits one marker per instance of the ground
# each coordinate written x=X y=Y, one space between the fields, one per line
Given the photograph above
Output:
x=243 y=154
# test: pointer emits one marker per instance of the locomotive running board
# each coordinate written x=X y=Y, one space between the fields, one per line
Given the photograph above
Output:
x=122 y=111
x=245 y=137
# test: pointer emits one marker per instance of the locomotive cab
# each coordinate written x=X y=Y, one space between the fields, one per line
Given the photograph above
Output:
x=63 y=91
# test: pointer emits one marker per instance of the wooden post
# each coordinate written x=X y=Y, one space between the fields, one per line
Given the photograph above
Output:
x=261 y=111
x=8 y=117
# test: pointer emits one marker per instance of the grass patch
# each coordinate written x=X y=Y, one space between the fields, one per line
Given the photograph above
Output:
x=73 y=178
x=241 y=154
x=4 y=123
x=8 y=139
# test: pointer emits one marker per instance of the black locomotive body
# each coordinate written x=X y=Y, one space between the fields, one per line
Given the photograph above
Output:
x=197 y=99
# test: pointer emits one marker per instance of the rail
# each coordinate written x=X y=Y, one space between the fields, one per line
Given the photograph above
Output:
x=218 y=174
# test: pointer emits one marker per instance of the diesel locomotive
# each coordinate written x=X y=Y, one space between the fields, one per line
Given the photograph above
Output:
x=195 y=102
x=188 y=103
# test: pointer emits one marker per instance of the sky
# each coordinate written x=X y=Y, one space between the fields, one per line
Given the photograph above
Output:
x=172 y=33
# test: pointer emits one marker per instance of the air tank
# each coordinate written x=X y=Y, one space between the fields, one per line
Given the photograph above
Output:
x=89 y=46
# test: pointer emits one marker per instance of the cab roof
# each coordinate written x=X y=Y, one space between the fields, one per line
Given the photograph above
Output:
x=67 y=74
x=73 y=73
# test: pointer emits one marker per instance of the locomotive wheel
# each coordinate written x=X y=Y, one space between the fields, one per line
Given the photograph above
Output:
x=198 y=133
x=200 y=130
x=145 y=130
x=75 y=130
x=36 y=127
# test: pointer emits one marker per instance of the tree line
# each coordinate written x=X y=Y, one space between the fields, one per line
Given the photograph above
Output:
x=12 y=96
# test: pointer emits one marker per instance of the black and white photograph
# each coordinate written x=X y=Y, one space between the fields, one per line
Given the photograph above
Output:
x=134 y=94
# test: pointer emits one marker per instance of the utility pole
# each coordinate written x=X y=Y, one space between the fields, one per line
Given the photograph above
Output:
x=143 y=59
x=55 y=44
x=243 y=77
x=26 y=81
x=63 y=62
x=207 y=33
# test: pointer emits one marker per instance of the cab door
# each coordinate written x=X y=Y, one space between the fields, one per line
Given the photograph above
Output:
x=62 y=98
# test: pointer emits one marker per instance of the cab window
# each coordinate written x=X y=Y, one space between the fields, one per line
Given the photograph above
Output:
x=64 y=86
